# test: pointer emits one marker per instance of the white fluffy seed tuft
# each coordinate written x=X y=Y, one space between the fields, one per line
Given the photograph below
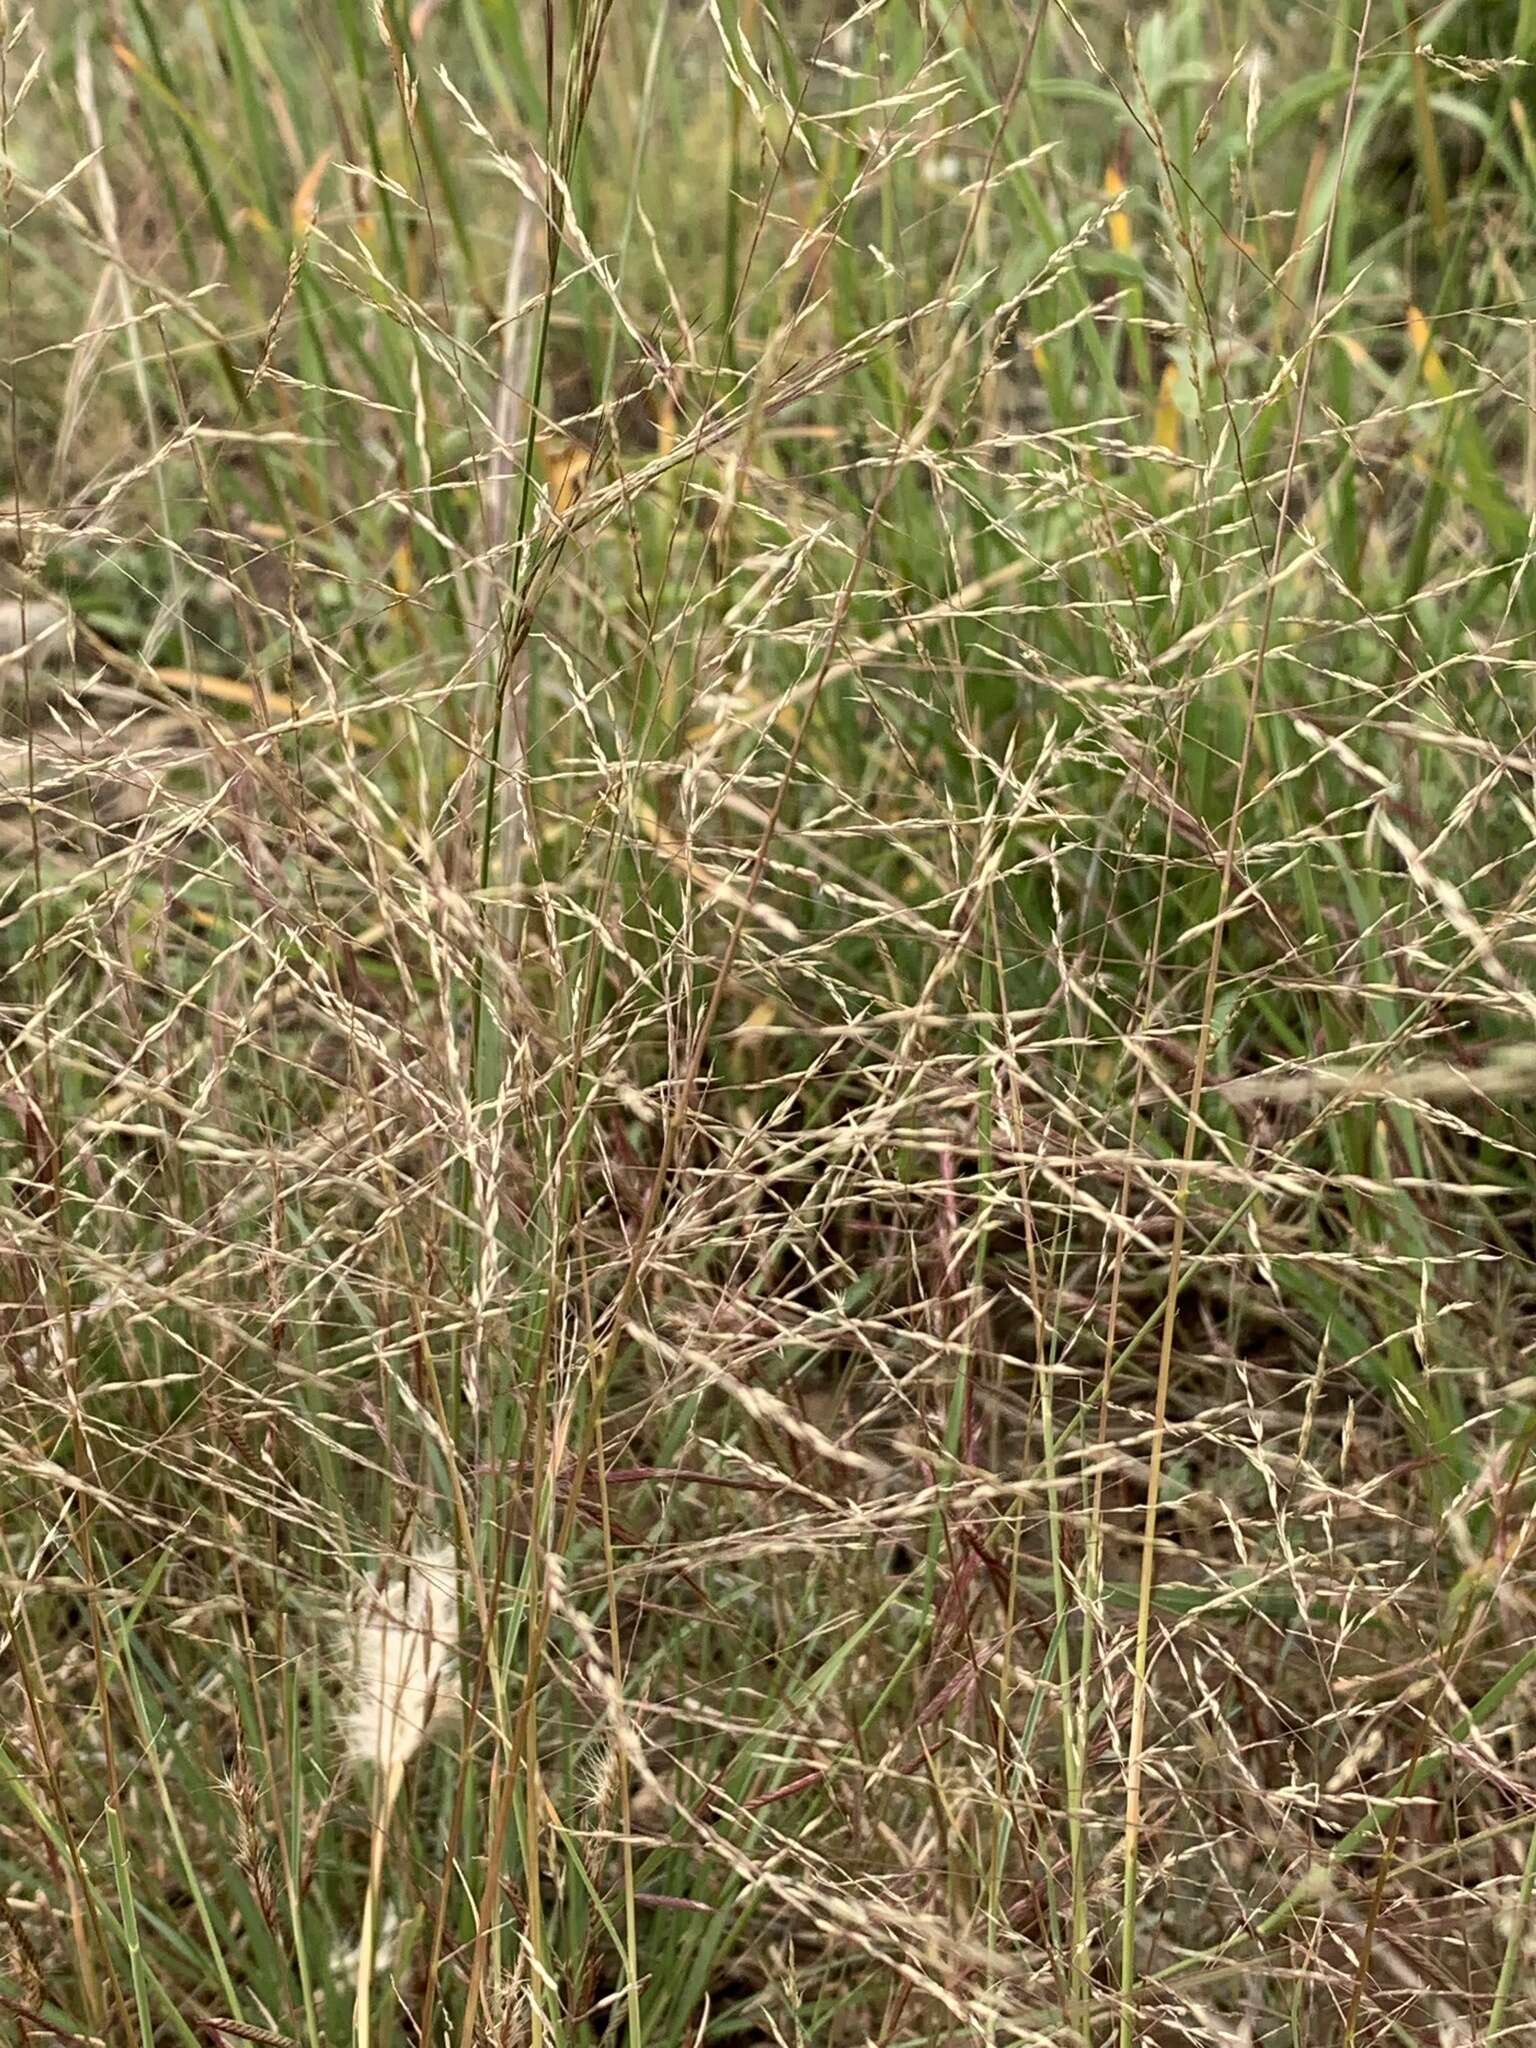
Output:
x=405 y=1662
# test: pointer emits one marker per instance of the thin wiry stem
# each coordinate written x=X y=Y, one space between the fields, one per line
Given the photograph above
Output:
x=1136 y=1741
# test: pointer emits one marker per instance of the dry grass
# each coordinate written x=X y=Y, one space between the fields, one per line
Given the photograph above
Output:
x=768 y=780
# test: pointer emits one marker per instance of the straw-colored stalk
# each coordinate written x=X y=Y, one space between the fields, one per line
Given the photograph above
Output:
x=405 y=1687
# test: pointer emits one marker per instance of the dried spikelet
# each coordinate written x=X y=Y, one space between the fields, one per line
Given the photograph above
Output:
x=600 y=1791
x=314 y=1830
x=251 y=1851
x=405 y=1663
x=26 y=1965
x=506 y=2022
x=240 y=2030
x=600 y=1781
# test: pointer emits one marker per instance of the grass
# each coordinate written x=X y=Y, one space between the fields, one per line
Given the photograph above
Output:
x=768 y=782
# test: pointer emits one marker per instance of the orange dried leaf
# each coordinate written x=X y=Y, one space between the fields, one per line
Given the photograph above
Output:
x=1165 y=422
x=1434 y=371
x=224 y=690
x=306 y=199
x=565 y=464
x=1121 y=240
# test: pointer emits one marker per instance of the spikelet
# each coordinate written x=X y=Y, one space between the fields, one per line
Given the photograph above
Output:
x=600 y=1792
x=405 y=1664
x=253 y=1857
x=506 y=2021
x=600 y=1781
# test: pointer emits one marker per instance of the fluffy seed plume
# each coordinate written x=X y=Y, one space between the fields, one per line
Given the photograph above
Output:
x=405 y=1685
x=405 y=1662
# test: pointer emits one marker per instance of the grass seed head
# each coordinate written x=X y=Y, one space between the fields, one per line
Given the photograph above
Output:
x=405 y=1661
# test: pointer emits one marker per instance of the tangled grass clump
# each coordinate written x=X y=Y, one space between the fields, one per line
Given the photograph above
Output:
x=769 y=920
